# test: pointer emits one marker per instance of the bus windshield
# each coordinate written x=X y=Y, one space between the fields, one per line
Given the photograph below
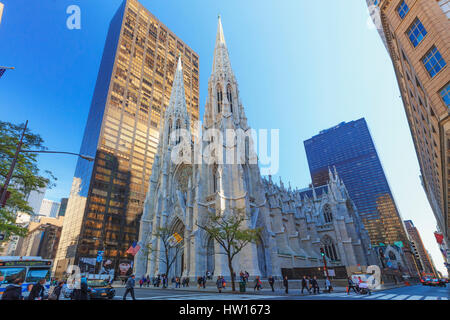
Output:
x=9 y=275
x=35 y=274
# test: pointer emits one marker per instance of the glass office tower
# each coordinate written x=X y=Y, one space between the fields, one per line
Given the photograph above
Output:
x=349 y=148
x=132 y=91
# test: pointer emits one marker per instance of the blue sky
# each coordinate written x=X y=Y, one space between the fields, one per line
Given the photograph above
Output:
x=302 y=66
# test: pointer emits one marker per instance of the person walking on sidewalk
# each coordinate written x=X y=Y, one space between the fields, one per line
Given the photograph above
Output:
x=271 y=283
x=129 y=287
x=219 y=284
x=315 y=285
x=286 y=284
x=328 y=286
x=305 y=284
x=258 y=284
x=351 y=285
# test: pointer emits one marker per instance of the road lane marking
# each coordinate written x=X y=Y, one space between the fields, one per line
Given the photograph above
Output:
x=414 y=298
x=400 y=297
x=431 y=298
x=444 y=298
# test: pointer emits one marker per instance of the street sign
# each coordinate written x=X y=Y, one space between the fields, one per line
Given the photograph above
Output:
x=174 y=239
x=100 y=255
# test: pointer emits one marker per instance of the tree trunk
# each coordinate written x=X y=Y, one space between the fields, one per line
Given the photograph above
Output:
x=230 y=266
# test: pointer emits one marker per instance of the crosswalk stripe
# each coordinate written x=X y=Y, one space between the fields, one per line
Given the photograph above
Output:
x=431 y=298
x=444 y=298
x=414 y=298
x=388 y=296
x=375 y=296
x=400 y=297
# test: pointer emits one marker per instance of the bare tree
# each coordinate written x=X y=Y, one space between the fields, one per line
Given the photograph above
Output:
x=231 y=235
x=167 y=248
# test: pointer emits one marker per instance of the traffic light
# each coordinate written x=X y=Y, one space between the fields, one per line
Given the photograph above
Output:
x=322 y=252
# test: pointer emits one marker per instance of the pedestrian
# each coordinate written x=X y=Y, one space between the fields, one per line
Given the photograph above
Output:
x=315 y=285
x=286 y=284
x=351 y=285
x=258 y=283
x=271 y=283
x=219 y=284
x=305 y=284
x=129 y=287
x=14 y=290
x=38 y=291
x=247 y=275
x=56 y=291
x=187 y=282
x=141 y=282
x=328 y=286
x=148 y=281
x=177 y=282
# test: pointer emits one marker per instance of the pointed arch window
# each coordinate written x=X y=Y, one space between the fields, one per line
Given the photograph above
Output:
x=178 y=131
x=330 y=248
x=215 y=178
x=169 y=131
x=219 y=99
x=327 y=213
x=230 y=97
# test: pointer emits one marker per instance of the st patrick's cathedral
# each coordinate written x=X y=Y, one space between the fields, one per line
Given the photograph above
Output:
x=295 y=223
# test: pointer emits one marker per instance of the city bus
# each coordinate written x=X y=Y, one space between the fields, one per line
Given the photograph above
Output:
x=30 y=269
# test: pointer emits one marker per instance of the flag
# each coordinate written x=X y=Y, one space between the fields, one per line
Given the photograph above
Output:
x=439 y=237
x=2 y=71
x=134 y=248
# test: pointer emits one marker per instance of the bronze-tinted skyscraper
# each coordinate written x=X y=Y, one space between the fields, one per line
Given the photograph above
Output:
x=417 y=36
x=122 y=131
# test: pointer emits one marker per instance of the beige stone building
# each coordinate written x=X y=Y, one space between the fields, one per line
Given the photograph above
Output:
x=417 y=36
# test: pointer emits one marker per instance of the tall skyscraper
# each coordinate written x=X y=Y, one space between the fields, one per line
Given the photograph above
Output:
x=349 y=148
x=122 y=131
x=417 y=34
x=424 y=258
x=49 y=208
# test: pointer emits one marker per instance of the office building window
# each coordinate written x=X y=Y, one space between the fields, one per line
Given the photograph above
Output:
x=433 y=61
x=402 y=9
x=416 y=32
x=445 y=94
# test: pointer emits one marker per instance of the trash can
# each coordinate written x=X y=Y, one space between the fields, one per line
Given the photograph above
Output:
x=241 y=286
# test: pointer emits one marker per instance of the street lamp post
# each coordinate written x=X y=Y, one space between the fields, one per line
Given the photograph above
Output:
x=13 y=164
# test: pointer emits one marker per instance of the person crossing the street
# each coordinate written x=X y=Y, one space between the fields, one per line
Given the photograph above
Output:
x=129 y=287
x=351 y=285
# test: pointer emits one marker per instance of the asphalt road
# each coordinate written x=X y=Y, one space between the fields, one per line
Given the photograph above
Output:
x=418 y=292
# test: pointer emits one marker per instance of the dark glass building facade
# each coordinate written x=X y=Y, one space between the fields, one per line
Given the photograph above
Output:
x=132 y=91
x=350 y=149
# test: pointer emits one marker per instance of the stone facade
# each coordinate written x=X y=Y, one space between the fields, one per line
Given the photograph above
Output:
x=295 y=223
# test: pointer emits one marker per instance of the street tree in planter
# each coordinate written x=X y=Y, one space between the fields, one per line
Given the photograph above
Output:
x=26 y=176
x=231 y=234
x=169 y=251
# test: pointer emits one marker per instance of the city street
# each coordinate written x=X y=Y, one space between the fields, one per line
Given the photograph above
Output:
x=418 y=292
